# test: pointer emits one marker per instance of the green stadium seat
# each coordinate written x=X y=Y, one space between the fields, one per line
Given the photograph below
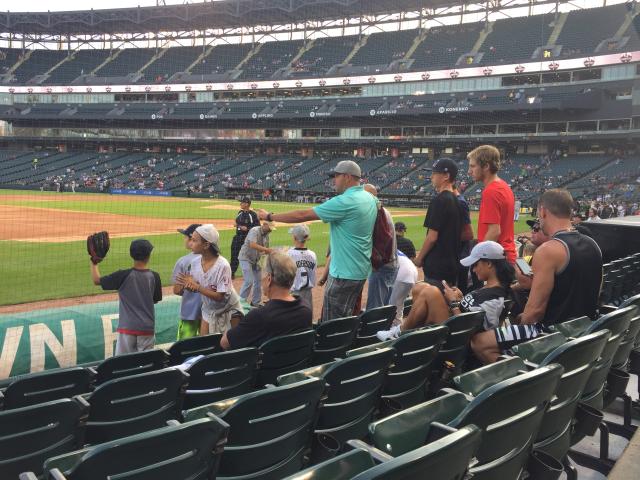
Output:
x=444 y=459
x=46 y=386
x=416 y=351
x=333 y=339
x=189 y=451
x=31 y=434
x=190 y=347
x=131 y=364
x=508 y=412
x=221 y=375
x=137 y=403
x=354 y=390
x=271 y=429
x=371 y=322
x=284 y=354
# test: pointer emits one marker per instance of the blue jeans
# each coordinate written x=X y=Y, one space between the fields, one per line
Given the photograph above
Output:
x=251 y=274
x=380 y=286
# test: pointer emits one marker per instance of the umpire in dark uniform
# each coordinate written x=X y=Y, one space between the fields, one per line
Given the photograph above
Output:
x=245 y=221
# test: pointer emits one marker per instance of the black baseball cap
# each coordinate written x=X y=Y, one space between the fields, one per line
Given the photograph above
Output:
x=533 y=222
x=245 y=200
x=187 y=232
x=445 y=165
x=400 y=226
x=140 y=249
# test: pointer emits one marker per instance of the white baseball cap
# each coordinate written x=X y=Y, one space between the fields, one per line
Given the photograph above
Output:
x=484 y=251
x=209 y=233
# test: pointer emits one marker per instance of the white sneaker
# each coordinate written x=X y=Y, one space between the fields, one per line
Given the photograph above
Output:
x=384 y=335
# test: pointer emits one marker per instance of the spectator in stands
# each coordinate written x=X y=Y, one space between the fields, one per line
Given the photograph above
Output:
x=281 y=315
x=593 y=215
x=498 y=202
x=567 y=274
x=138 y=290
x=306 y=263
x=191 y=303
x=438 y=256
x=433 y=306
x=246 y=219
x=351 y=215
x=255 y=245
x=405 y=281
x=381 y=279
x=210 y=276
x=405 y=245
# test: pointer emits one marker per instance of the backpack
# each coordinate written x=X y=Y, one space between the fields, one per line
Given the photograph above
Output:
x=383 y=235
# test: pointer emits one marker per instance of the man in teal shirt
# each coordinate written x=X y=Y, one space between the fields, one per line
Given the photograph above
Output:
x=351 y=216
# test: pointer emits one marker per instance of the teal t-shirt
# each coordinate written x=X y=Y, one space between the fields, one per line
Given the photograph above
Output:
x=351 y=216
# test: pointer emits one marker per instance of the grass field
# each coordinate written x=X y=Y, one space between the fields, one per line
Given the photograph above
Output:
x=42 y=270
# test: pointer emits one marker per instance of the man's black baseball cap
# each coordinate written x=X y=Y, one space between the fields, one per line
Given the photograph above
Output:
x=533 y=223
x=140 y=249
x=400 y=226
x=187 y=232
x=245 y=200
x=445 y=165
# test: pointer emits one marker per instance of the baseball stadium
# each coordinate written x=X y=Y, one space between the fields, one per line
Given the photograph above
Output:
x=320 y=239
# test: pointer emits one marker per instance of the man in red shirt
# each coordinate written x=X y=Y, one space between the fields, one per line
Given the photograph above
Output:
x=497 y=204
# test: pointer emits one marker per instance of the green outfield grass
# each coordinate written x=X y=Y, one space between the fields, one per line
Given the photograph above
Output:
x=42 y=271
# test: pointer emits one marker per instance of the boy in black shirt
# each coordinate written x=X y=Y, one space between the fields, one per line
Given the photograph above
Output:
x=439 y=255
x=404 y=244
x=138 y=290
x=281 y=315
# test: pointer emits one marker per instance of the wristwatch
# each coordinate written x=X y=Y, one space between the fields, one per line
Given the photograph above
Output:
x=269 y=219
x=453 y=305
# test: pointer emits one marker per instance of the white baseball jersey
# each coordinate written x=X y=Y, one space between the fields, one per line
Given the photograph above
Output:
x=306 y=262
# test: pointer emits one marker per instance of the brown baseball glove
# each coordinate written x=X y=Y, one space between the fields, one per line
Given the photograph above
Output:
x=98 y=246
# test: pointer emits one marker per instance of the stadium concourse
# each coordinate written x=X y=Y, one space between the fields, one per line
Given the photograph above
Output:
x=141 y=121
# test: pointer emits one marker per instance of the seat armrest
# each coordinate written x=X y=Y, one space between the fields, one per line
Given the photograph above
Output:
x=438 y=430
x=378 y=455
x=56 y=474
x=28 y=476
x=604 y=309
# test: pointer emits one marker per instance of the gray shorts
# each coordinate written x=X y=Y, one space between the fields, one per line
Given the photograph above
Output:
x=340 y=297
x=134 y=343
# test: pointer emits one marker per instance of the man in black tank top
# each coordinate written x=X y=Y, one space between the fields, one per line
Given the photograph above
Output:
x=567 y=276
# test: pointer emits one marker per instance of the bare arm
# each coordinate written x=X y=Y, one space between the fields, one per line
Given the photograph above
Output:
x=325 y=273
x=493 y=232
x=224 y=342
x=189 y=283
x=429 y=241
x=259 y=247
x=178 y=289
x=295 y=216
x=95 y=273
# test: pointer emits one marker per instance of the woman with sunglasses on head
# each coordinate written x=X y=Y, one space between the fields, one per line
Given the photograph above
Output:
x=432 y=305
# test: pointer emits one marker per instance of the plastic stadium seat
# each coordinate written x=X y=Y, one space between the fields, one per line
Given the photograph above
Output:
x=134 y=404
x=354 y=389
x=509 y=413
x=371 y=322
x=189 y=451
x=221 y=375
x=131 y=364
x=408 y=379
x=284 y=354
x=444 y=459
x=333 y=339
x=30 y=435
x=46 y=386
x=271 y=429
x=190 y=347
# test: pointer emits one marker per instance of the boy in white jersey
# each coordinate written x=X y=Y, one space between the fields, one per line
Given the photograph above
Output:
x=306 y=263
x=191 y=304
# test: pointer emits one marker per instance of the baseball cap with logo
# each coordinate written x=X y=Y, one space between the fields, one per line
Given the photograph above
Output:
x=140 y=249
x=300 y=232
x=484 y=251
x=446 y=165
x=346 y=166
x=245 y=200
x=534 y=223
x=209 y=233
x=400 y=226
x=187 y=232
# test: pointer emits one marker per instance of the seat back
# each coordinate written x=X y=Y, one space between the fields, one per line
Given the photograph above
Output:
x=284 y=354
x=131 y=364
x=190 y=347
x=445 y=459
x=621 y=356
x=635 y=300
x=221 y=375
x=509 y=414
x=341 y=467
x=416 y=352
x=29 y=435
x=371 y=322
x=574 y=327
x=47 y=386
x=189 y=451
x=134 y=404
x=536 y=350
x=461 y=328
x=271 y=429
x=333 y=339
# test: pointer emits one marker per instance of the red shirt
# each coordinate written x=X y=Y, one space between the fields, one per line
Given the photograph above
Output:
x=497 y=207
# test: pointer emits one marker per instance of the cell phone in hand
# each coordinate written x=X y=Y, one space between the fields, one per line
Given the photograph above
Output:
x=524 y=267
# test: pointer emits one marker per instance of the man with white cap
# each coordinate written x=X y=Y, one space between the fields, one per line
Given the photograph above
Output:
x=211 y=278
x=306 y=263
x=351 y=215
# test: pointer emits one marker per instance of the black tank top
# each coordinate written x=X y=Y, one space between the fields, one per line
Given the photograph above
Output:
x=576 y=288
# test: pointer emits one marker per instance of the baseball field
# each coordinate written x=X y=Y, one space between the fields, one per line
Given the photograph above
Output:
x=42 y=236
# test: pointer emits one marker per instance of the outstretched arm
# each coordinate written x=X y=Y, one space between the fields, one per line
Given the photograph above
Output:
x=295 y=216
